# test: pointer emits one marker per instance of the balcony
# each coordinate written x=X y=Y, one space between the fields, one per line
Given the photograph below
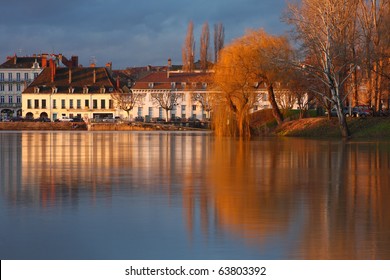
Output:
x=10 y=105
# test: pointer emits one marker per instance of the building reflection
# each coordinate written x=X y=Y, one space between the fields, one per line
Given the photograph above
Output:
x=322 y=199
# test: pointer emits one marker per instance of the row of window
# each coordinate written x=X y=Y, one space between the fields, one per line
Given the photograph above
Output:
x=11 y=87
x=10 y=99
x=42 y=104
x=18 y=77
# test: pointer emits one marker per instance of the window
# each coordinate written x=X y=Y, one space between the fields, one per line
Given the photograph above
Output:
x=71 y=90
x=173 y=85
x=10 y=77
x=71 y=103
x=102 y=90
x=43 y=103
x=151 y=85
x=193 y=107
x=204 y=85
x=35 y=75
x=26 y=76
x=29 y=104
x=18 y=87
x=78 y=103
x=62 y=103
x=10 y=99
x=2 y=99
x=54 y=104
x=36 y=89
x=18 y=77
x=94 y=103
x=2 y=77
x=85 y=89
x=102 y=104
x=110 y=104
x=139 y=111
x=1 y=87
x=18 y=99
x=10 y=87
x=36 y=103
x=150 y=112
x=86 y=103
x=54 y=90
x=160 y=112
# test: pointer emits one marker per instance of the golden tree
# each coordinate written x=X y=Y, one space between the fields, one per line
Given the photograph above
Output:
x=244 y=65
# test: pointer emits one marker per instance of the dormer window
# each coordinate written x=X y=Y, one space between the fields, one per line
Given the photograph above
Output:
x=173 y=84
x=71 y=90
x=36 y=89
x=194 y=84
x=85 y=89
x=183 y=85
x=102 y=90
x=54 y=90
x=151 y=85
x=204 y=85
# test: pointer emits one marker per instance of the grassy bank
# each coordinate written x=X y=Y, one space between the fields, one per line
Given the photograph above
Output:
x=323 y=127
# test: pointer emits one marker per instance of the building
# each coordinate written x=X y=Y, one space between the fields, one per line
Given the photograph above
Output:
x=15 y=76
x=70 y=92
x=185 y=90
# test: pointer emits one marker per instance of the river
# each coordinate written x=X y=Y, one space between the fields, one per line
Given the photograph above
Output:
x=190 y=195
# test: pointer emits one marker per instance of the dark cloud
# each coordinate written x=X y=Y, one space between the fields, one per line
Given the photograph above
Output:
x=126 y=32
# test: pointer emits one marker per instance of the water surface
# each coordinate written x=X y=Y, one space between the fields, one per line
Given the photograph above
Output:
x=127 y=195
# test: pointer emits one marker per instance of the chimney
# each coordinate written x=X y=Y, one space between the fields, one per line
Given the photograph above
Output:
x=52 y=70
x=94 y=76
x=75 y=61
x=93 y=65
x=44 y=60
x=15 y=58
x=117 y=83
x=70 y=75
x=169 y=66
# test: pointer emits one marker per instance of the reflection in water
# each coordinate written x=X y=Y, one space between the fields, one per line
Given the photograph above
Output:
x=267 y=198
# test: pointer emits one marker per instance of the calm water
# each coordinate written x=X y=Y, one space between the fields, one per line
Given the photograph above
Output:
x=67 y=195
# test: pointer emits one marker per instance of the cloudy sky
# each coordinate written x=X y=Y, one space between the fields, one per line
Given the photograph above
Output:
x=126 y=32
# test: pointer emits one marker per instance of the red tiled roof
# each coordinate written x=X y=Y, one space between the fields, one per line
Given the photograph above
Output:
x=80 y=77
x=161 y=80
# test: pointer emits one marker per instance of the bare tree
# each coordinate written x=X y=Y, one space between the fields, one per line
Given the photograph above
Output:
x=219 y=40
x=321 y=27
x=126 y=100
x=188 y=51
x=168 y=100
x=372 y=18
x=205 y=46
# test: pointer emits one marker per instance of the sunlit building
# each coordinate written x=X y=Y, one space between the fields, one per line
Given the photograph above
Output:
x=74 y=91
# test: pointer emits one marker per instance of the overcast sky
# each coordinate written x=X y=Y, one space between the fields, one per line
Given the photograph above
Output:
x=126 y=32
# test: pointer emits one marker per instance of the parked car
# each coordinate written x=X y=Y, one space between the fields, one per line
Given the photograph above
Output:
x=139 y=119
x=175 y=119
x=63 y=119
x=77 y=119
x=43 y=119
x=346 y=112
x=361 y=111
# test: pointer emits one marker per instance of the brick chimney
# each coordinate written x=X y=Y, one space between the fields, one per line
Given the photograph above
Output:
x=52 y=70
x=93 y=65
x=70 y=75
x=94 y=75
x=44 y=60
x=117 y=83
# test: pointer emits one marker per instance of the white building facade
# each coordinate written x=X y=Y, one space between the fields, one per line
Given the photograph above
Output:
x=15 y=76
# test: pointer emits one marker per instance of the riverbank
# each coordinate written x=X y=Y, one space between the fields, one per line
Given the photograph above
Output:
x=322 y=127
x=71 y=126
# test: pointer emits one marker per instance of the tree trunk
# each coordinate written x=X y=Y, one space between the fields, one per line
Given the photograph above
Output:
x=275 y=109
